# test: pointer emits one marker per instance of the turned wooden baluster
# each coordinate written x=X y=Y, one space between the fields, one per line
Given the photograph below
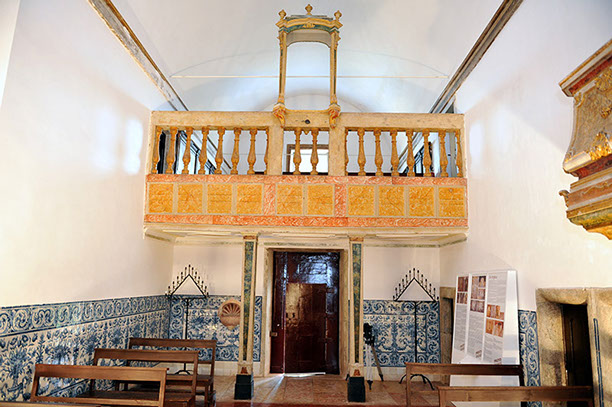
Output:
x=346 y=157
x=459 y=157
x=409 y=154
x=297 y=157
x=236 y=152
x=171 y=151
x=378 y=158
x=219 y=156
x=443 y=157
x=203 y=151
x=394 y=156
x=159 y=132
x=266 y=155
x=361 y=159
x=314 y=157
x=187 y=153
x=252 y=157
x=426 y=155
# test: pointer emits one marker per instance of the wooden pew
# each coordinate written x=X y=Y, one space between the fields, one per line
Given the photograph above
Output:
x=205 y=382
x=40 y=404
x=529 y=393
x=159 y=356
x=110 y=398
x=457 y=369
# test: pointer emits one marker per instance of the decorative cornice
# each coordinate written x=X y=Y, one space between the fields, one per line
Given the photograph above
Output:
x=497 y=23
x=117 y=24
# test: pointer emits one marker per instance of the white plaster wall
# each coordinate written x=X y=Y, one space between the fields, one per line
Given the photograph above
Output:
x=384 y=267
x=74 y=123
x=519 y=125
x=8 y=20
x=222 y=264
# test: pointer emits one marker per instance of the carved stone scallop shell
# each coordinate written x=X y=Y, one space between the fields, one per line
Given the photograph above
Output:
x=229 y=313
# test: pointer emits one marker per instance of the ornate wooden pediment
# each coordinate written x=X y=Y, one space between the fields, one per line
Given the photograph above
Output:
x=589 y=155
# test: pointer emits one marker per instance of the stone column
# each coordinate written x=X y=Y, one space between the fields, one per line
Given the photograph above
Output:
x=244 y=379
x=356 y=383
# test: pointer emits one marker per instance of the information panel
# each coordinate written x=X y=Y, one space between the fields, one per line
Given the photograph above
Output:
x=485 y=329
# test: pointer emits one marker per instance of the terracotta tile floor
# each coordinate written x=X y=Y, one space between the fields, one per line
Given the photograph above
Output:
x=320 y=390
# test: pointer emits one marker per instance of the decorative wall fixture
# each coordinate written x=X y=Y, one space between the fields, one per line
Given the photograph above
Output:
x=308 y=28
x=229 y=313
x=412 y=276
x=589 y=156
x=192 y=274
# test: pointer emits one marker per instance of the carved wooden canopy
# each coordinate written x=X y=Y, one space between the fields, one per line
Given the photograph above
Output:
x=308 y=28
x=589 y=155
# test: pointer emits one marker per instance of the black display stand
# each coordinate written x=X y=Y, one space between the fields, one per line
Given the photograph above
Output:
x=188 y=274
x=413 y=276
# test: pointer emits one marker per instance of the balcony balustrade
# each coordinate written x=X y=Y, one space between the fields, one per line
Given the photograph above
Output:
x=371 y=170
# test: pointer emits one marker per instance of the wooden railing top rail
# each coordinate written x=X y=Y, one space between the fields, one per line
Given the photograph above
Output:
x=502 y=393
x=306 y=120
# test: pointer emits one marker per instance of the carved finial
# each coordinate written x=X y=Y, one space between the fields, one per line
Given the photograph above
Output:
x=282 y=14
x=338 y=14
x=308 y=9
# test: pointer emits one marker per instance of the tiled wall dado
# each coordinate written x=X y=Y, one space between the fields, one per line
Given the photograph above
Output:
x=529 y=349
x=204 y=323
x=67 y=333
x=320 y=201
x=394 y=324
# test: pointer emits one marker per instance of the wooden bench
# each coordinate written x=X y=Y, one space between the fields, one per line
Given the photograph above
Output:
x=41 y=404
x=110 y=398
x=159 y=356
x=529 y=393
x=457 y=369
x=205 y=382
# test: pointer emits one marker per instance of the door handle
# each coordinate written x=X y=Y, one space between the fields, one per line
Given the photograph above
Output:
x=274 y=334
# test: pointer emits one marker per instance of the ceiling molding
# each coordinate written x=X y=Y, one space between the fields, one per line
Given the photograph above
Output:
x=490 y=33
x=117 y=24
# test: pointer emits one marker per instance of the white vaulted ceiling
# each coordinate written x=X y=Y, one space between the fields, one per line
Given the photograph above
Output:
x=422 y=41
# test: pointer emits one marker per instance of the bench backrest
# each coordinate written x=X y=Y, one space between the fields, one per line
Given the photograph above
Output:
x=460 y=370
x=465 y=369
x=180 y=343
x=131 y=374
x=529 y=393
x=41 y=404
x=150 y=355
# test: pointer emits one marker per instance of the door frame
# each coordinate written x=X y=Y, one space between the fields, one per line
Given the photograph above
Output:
x=343 y=317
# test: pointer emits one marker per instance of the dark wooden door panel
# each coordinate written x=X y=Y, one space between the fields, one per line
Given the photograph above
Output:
x=577 y=348
x=305 y=313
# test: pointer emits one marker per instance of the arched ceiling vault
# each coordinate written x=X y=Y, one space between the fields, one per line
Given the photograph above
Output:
x=393 y=56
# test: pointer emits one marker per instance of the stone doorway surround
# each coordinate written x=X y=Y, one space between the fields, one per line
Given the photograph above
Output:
x=343 y=333
x=550 y=334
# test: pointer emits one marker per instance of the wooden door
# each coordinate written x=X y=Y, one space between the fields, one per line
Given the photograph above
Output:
x=577 y=347
x=304 y=335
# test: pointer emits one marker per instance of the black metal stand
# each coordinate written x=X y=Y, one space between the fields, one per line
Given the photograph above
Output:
x=187 y=303
x=192 y=274
x=415 y=275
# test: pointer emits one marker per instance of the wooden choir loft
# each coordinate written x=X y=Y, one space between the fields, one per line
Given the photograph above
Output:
x=189 y=221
